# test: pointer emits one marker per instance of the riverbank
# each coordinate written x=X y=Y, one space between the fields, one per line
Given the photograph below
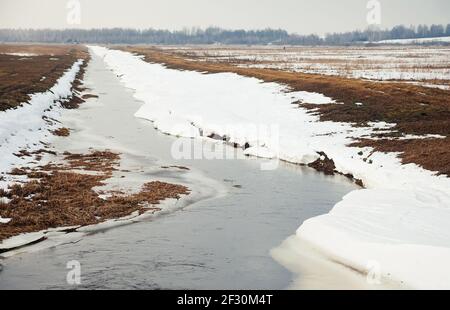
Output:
x=32 y=69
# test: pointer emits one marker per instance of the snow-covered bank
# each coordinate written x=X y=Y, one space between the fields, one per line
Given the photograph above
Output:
x=26 y=127
x=401 y=221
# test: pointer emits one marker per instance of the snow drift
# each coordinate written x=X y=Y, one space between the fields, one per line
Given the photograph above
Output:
x=401 y=221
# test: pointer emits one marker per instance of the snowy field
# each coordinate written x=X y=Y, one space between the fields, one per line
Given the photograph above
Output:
x=428 y=65
x=400 y=221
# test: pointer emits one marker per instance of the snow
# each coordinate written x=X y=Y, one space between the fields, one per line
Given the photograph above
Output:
x=400 y=221
x=416 y=41
x=312 y=98
x=25 y=128
x=410 y=246
x=4 y=220
x=21 y=54
x=21 y=240
x=402 y=74
x=4 y=200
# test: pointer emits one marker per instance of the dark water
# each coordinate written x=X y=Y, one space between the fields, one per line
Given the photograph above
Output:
x=219 y=243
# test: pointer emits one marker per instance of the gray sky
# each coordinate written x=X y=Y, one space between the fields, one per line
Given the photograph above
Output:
x=300 y=16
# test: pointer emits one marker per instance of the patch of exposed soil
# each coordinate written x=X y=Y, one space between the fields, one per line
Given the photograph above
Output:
x=327 y=166
x=56 y=195
x=324 y=164
x=62 y=132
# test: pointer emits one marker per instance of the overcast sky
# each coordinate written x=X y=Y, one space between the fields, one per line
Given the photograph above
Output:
x=300 y=16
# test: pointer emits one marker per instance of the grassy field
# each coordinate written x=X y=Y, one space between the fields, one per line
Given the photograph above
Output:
x=28 y=69
x=428 y=66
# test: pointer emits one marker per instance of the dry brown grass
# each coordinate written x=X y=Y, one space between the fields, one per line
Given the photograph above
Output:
x=62 y=132
x=57 y=196
x=21 y=76
x=431 y=154
x=415 y=109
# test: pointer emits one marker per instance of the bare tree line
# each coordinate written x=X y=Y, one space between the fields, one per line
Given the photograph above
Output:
x=214 y=35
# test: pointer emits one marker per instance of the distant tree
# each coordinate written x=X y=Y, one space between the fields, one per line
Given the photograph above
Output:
x=216 y=35
x=402 y=32
x=437 y=31
x=423 y=31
